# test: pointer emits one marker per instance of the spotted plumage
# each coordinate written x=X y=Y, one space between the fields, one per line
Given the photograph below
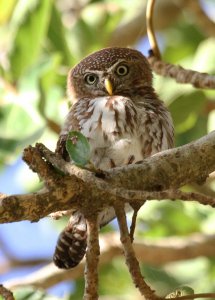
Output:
x=117 y=109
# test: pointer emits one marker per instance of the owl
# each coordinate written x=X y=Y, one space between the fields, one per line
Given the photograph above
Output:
x=115 y=106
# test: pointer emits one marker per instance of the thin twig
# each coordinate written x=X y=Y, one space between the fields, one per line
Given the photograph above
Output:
x=92 y=259
x=55 y=127
x=130 y=257
x=136 y=208
x=150 y=28
x=181 y=75
x=195 y=296
x=140 y=196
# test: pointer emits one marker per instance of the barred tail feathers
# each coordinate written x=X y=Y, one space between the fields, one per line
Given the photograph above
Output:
x=72 y=243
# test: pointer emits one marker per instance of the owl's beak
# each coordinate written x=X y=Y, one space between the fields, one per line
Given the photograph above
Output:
x=108 y=86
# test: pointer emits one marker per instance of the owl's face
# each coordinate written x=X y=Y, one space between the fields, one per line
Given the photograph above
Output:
x=110 y=71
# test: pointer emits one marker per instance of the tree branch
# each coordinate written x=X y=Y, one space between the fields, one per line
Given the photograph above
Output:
x=92 y=259
x=5 y=293
x=150 y=28
x=136 y=197
x=166 y=170
x=37 y=205
x=181 y=75
x=130 y=257
x=196 y=296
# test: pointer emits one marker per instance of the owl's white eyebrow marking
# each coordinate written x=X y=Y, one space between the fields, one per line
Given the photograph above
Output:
x=100 y=72
x=116 y=64
x=93 y=71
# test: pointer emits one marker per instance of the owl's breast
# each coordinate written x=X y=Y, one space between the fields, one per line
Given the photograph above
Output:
x=110 y=124
x=107 y=119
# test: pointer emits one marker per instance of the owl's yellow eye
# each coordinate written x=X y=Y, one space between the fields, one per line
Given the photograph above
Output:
x=90 y=78
x=122 y=70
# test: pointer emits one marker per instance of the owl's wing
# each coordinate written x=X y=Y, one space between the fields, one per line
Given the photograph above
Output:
x=155 y=129
x=168 y=129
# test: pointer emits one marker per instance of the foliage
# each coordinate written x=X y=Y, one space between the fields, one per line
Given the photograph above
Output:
x=39 y=42
x=30 y=293
x=78 y=148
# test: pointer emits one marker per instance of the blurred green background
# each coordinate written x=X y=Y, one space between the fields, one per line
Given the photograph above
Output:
x=39 y=42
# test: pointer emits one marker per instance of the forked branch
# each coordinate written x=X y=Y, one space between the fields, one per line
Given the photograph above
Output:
x=181 y=75
x=157 y=177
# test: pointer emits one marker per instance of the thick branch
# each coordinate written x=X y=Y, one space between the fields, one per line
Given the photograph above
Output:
x=38 y=205
x=169 y=169
x=166 y=170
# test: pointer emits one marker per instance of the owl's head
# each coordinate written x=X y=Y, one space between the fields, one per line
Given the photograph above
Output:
x=110 y=71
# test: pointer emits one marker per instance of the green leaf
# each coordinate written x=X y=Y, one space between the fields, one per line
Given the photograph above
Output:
x=18 y=121
x=31 y=293
x=181 y=291
x=186 y=109
x=10 y=146
x=29 y=38
x=203 y=62
x=57 y=36
x=78 y=148
x=86 y=41
x=6 y=9
x=110 y=286
x=47 y=83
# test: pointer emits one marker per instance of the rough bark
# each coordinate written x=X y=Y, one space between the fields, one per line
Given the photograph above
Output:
x=169 y=169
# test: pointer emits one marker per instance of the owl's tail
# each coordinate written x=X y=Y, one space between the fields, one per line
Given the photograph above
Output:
x=72 y=243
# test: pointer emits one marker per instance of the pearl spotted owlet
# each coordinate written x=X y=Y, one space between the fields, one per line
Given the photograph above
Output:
x=117 y=109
